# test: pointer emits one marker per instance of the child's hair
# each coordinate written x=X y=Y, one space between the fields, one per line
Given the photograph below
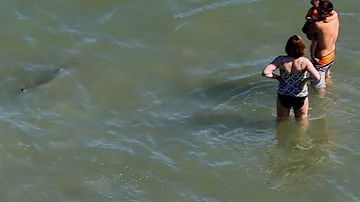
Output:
x=295 y=47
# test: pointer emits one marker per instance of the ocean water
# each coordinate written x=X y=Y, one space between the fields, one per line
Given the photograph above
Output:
x=163 y=100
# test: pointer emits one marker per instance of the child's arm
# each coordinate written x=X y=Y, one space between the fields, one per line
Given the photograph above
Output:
x=309 y=19
x=331 y=17
x=308 y=16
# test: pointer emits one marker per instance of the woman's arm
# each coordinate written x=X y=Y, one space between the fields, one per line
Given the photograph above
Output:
x=314 y=74
x=268 y=71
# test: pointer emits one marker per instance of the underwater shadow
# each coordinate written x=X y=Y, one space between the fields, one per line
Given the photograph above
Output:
x=299 y=155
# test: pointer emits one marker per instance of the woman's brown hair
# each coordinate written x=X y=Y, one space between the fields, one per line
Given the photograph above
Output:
x=295 y=47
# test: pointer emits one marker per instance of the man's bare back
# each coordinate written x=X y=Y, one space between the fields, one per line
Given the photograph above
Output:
x=327 y=34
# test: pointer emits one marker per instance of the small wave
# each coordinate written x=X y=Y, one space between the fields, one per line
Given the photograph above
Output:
x=250 y=63
x=212 y=7
x=20 y=16
x=348 y=14
x=108 y=16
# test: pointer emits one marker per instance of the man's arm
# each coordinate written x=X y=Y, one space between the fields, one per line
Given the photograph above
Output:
x=331 y=17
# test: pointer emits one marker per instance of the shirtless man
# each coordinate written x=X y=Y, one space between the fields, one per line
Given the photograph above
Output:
x=326 y=34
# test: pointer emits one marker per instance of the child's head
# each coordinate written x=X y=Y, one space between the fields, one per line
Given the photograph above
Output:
x=295 y=47
x=315 y=3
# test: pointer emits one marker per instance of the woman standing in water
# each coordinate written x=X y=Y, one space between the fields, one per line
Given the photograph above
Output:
x=293 y=89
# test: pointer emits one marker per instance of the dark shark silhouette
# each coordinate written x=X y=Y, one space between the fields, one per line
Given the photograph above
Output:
x=44 y=78
x=38 y=78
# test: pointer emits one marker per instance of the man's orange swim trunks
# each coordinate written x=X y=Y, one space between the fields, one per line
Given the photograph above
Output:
x=325 y=60
x=322 y=66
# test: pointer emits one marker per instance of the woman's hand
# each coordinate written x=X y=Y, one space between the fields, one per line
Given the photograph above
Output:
x=277 y=77
x=304 y=82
